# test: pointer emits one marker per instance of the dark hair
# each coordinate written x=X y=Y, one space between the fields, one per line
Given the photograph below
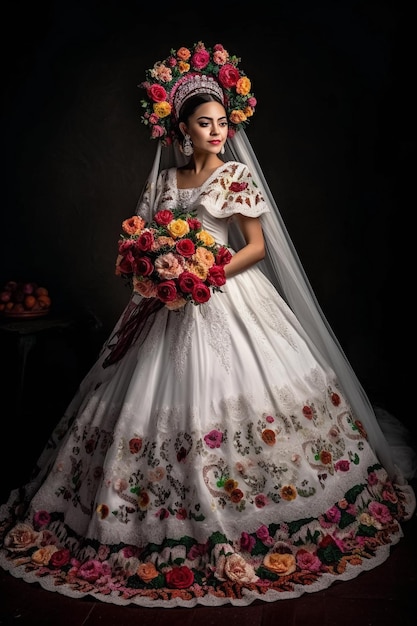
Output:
x=189 y=107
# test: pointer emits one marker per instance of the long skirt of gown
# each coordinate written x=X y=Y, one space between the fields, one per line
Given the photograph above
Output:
x=217 y=462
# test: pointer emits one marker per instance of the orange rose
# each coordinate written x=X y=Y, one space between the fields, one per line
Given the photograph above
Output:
x=237 y=116
x=147 y=572
x=133 y=225
x=43 y=555
x=280 y=564
x=325 y=457
x=288 y=492
x=183 y=53
x=243 y=86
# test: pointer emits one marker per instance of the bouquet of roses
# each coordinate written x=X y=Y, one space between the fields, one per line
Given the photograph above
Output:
x=172 y=258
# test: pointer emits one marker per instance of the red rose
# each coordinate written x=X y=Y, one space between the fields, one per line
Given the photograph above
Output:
x=125 y=264
x=135 y=445
x=228 y=76
x=144 y=266
x=167 y=291
x=236 y=495
x=185 y=247
x=193 y=223
x=223 y=256
x=238 y=187
x=164 y=217
x=216 y=276
x=200 y=59
x=200 y=293
x=180 y=577
x=335 y=399
x=145 y=241
x=157 y=93
x=60 y=558
x=125 y=245
x=308 y=412
x=187 y=281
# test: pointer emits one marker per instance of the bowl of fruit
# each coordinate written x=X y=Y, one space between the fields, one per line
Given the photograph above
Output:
x=24 y=299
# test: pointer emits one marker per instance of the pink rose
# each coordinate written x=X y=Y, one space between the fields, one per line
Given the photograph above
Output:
x=252 y=102
x=91 y=571
x=169 y=266
x=157 y=93
x=214 y=439
x=308 y=561
x=145 y=287
x=200 y=59
x=41 y=518
x=342 y=465
x=247 y=542
x=228 y=76
x=380 y=512
x=157 y=131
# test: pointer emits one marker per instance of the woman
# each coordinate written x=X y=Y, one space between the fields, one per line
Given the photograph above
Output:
x=217 y=453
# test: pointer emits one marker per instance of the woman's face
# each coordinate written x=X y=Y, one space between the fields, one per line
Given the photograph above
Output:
x=207 y=127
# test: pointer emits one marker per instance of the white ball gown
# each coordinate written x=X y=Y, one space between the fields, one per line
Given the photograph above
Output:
x=217 y=462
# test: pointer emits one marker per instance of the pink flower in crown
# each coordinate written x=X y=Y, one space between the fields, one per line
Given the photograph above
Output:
x=157 y=131
x=157 y=93
x=171 y=61
x=220 y=57
x=162 y=72
x=228 y=76
x=252 y=102
x=200 y=59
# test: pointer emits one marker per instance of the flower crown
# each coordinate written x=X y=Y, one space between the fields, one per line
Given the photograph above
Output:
x=189 y=71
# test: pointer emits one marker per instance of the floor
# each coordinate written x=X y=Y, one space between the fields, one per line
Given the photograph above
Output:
x=385 y=595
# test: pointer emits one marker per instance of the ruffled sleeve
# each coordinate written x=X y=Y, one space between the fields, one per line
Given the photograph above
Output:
x=232 y=189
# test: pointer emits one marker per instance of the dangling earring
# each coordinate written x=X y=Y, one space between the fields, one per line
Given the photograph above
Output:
x=187 y=145
x=222 y=149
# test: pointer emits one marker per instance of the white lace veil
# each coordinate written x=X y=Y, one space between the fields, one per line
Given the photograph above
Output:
x=283 y=267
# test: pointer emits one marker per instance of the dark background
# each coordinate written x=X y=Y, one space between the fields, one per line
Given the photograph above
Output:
x=332 y=131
